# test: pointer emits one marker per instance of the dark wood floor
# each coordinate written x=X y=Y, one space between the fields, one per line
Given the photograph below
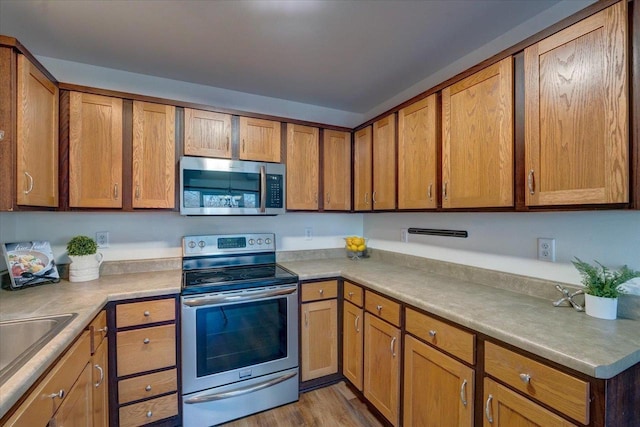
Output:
x=331 y=406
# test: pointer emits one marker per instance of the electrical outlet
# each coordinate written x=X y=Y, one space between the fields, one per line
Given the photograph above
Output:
x=547 y=249
x=404 y=235
x=308 y=233
x=102 y=239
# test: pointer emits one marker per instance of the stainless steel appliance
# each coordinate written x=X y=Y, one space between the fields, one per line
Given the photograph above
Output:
x=239 y=328
x=231 y=187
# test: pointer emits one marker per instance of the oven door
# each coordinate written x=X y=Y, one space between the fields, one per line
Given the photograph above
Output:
x=233 y=336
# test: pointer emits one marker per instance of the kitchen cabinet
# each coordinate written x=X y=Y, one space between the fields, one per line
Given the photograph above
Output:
x=319 y=330
x=154 y=163
x=362 y=169
x=146 y=362
x=417 y=155
x=352 y=338
x=577 y=113
x=384 y=163
x=95 y=151
x=382 y=354
x=207 y=133
x=100 y=370
x=76 y=411
x=303 y=167
x=260 y=140
x=336 y=153
x=477 y=139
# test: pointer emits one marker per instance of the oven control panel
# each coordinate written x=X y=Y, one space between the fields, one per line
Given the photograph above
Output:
x=217 y=244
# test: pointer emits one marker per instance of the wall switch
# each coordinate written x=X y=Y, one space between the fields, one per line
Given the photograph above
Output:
x=308 y=233
x=102 y=239
x=404 y=235
x=547 y=249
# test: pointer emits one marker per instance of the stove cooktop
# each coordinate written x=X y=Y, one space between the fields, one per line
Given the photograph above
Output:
x=235 y=278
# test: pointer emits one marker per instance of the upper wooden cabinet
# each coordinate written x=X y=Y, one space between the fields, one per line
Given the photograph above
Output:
x=576 y=113
x=336 y=153
x=154 y=164
x=362 y=174
x=384 y=163
x=303 y=169
x=477 y=139
x=417 y=155
x=207 y=133
x=95 y=151
x=36 y=137
x=260 y=140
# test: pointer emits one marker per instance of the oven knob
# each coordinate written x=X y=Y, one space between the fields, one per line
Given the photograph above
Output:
x=267 y=241
x=192 y=244
x=201 y=243
x=252 y=242
x=259 y=241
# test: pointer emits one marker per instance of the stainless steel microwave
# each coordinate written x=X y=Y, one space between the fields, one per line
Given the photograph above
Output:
x=231 y=187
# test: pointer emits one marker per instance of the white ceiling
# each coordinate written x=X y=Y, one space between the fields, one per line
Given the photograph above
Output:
x=349 y=55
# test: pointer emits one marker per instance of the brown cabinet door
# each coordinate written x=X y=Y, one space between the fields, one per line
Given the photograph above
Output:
x=362 y=173
x=506 y=408
x=154 y=165
x=417 y=155
x=207 y=133
x=336 y=153
x=36 y=137
x=303 y=151
x=438 y=390
x=95 y=151
x=576 y=113
x=260 y=140
x=100 y=372
x=477 y=139
x=384 y=163
x=352 y=341
x=382 y=352
x=75 y=411
x=319 y=336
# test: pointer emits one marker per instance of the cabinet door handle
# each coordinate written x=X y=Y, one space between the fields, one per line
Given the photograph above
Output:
x=105 y=329
x=30 y=187
x=306 y=318
x=115 y=191
x=356 y=324
x=429 y=194
x=393 y=346
x=328 y=198
x=463 y=393
x=227 y=143
x=146 y=341
x=366 y=198
x=137 y=191
x=526 y=378
x=487 y=409
x=99 y=368
x=531 y=182
x=244 y=146
x=444 y=191
x=59 y=395
x=373 y=197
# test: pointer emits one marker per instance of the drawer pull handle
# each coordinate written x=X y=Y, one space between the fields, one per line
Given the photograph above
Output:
x=379 y=308
x=487 y=409
x=105 y=330
x=59 y=394
x=148 y=388
x=432 y=333
x=526 y=378
x=356 y=322
x=350 y=294
x=321 y=291
x=99 y=368
x=393 y=346
x=146 y=314
x=149 y=414
x=146 y=341
x=463 y=393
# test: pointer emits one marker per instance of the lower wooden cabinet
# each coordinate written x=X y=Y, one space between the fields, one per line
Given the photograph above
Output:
x=100 y=385
x=352 y=342
x=319 y=338
x=382 y=355
x=438 y=390
x=75 y=411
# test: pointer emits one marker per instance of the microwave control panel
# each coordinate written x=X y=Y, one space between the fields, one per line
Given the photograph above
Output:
x=274 y=191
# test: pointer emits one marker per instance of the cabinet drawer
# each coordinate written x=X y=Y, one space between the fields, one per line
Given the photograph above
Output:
x=352 y=293
x=141 y=350
x=149 y=411
x=145 y=313
x=319 y=290
x=561 y=391
x=39 y=407
x=442 y=335
x=382 y=307
x=98 y=330
x=147 y=386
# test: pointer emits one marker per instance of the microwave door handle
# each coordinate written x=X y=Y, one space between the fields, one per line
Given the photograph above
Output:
x=263 y=189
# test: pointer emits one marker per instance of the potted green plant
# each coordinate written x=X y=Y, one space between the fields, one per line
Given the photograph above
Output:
x=602 y=287
x=85 y=259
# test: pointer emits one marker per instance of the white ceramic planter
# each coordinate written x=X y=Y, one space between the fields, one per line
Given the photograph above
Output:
x=84 y=267
x=602 y=308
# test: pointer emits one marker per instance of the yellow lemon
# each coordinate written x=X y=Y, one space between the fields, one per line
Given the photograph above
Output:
x=353 y=248
x=361 y=248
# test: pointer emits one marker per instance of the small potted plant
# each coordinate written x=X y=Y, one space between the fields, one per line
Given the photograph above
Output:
x=85 y=261
x=602 y=287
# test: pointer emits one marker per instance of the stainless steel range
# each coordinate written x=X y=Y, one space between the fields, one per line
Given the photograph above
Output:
x=239 y=328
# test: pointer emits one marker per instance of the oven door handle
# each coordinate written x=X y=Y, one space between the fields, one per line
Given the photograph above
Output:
x=240 y=391
x=197 y=302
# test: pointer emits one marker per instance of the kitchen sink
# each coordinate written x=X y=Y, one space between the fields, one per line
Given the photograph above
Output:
x=23 y=338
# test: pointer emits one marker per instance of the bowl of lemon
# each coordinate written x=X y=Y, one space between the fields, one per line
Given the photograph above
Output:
x=356 y=247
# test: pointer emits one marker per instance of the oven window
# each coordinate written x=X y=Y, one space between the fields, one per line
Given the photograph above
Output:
x=239 y=335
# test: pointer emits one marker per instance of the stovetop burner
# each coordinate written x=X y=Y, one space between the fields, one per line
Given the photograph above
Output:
x=233 y=278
